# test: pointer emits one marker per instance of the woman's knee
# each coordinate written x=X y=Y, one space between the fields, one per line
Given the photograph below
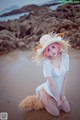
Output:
x=67 y=109
x=66 y=106
x=54 y=112
x=52 y=108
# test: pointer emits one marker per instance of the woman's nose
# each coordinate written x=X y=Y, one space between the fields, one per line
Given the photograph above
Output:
x=52 y=50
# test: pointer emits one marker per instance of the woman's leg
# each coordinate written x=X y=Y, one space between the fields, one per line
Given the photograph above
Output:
x=65 y=106
x=49 y=103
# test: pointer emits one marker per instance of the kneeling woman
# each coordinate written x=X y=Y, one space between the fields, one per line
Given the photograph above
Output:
x=55 y=61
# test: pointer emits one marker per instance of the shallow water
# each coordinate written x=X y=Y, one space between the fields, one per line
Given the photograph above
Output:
x=19 y=77
x=12 y=17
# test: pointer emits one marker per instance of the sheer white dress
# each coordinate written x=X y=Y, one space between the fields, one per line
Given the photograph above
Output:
x=57 y=74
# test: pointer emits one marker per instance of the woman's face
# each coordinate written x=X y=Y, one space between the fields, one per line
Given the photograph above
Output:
x=52 y=51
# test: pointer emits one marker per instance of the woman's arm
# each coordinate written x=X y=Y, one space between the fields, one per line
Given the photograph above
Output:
x=62 y=96
x=54 y=90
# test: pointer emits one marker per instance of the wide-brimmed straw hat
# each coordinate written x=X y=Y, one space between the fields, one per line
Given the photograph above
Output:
x=48 y=39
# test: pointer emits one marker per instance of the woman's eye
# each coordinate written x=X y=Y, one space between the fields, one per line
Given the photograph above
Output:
x=53 y=47
x=48 y=49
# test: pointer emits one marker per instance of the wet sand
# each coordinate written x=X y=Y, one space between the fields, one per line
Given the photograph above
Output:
x=19 y=77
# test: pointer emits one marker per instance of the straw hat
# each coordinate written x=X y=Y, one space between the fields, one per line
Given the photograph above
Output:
x=48 y=39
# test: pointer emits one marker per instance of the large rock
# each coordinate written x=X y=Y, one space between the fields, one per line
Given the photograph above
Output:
x=7 y=41
x=6 y=46
x=7 y=35
x=75 y=40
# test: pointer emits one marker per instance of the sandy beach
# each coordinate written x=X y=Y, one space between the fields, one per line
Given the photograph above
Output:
x=19 y=77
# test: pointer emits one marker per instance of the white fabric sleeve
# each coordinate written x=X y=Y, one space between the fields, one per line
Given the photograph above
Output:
x=46 y=69
x=67 y=62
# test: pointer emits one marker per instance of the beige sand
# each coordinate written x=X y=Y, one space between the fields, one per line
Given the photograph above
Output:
x=19 y=78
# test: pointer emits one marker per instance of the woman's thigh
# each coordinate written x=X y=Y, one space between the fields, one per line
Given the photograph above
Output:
x=49 y=103
x=65 y=106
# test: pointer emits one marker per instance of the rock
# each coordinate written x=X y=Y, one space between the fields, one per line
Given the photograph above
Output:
x=78 y=21
x=2 y=27
x=25 y=32
x=38 y=31
x=73 y=38
x=32 y=38
x=6 y=46
x=7 y=35
x=21 y=44
x=7 y=41
x=30 y=46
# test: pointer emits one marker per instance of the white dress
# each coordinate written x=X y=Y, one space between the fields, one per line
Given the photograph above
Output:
x=57 y=74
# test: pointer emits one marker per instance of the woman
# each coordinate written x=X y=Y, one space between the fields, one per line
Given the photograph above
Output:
x=55 y=60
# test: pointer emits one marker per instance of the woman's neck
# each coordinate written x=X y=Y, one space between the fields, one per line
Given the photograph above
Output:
x=56 y=61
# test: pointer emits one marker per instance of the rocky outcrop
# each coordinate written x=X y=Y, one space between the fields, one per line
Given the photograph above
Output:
x=24 y=33
x=7 y=41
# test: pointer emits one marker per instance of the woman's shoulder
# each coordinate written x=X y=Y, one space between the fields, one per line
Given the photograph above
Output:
x=65 y=56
